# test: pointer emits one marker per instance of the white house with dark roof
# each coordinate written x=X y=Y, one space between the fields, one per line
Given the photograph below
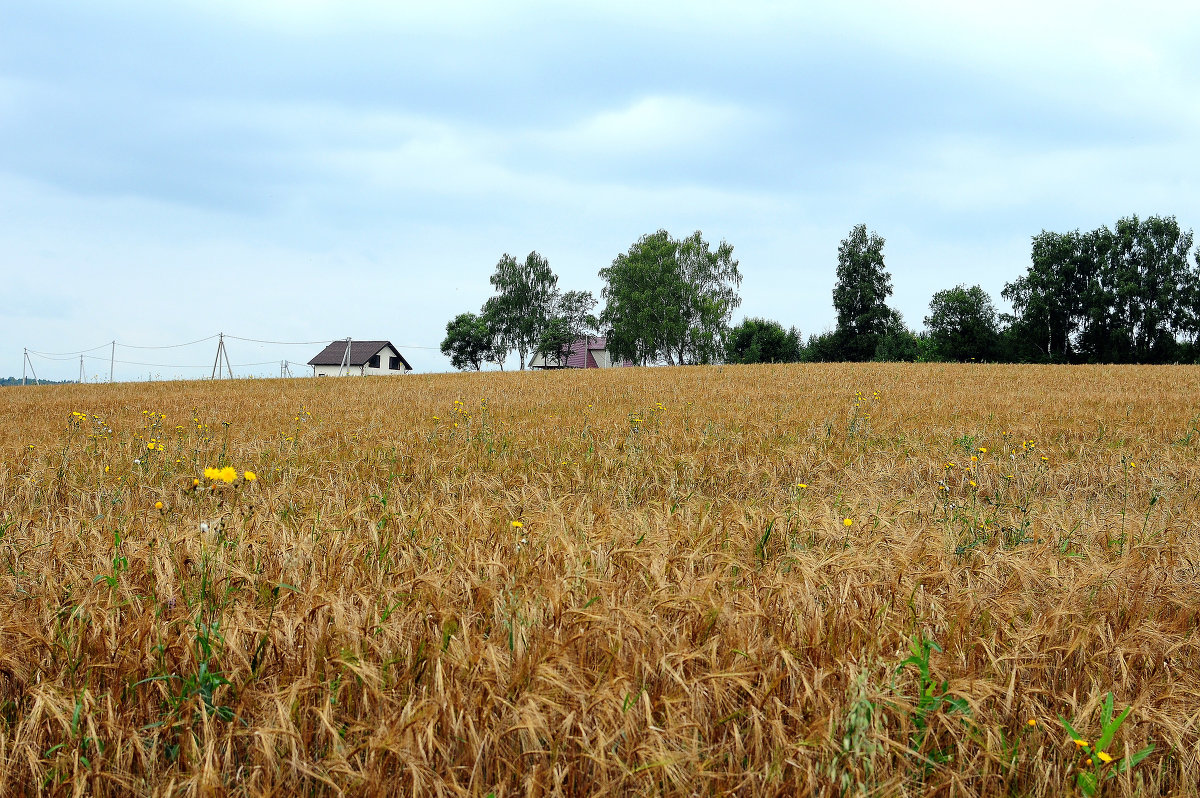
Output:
x=359 y=358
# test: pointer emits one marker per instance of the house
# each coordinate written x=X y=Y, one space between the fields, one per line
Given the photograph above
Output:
x=359 y=358
x=587 y=353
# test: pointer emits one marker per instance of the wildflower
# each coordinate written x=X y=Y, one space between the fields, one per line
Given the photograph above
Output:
x=1089 y=760
x=517 y=524
x=249 y=476
x=847 y=522
x=983 y=449
x=974 y=459
x=801 y=485
x=158 y=505
x=227 y=474
x=1081 y=743
x=973 y=485
x=1045 y=459
x=1105 y=758
x=195 y=482
x=1031 y=722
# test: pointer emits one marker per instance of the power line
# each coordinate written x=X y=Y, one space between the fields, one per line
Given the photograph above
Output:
x=168 y=346
x=68 y=355
x=81 y=354
x=276 y=343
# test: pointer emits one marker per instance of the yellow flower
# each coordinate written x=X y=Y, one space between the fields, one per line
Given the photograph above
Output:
x=973 y=485
x=195 y=482
x=249 y=476
x=983 y=449
x=1105 y=758
x=847 y=522
x=974 y=459
x=517 y=524
x=150 y=446
x=158 y=505
x=801 y=485
x=1081 y=743
x=1032 y=722
x=1089 y=760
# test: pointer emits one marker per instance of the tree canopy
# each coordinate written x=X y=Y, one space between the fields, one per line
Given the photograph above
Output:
x=860 y=295
x=962 y=324
x=525 y=295
x=762 y=341
x=670 y=300
x=470 y=342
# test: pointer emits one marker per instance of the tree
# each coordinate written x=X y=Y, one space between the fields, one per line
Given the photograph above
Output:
x=897 y=343
x=963 y=324
x=1120 y=295
x=670 y=300
x=468 y=342
x=860 y=295
x=1148 y=280
x=762 y=341
x=521 y=308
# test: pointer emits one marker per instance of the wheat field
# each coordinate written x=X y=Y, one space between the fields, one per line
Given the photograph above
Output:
x=880 y=579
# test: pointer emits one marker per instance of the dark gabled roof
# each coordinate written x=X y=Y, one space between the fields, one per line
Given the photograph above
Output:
x=581 y=353
x=360 y=353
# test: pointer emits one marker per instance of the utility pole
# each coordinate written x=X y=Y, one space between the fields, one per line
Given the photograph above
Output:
x=81 y=369
x=221 y=353
x=24 y=363
x=345 y=364
x=112 y=357
x=32 y=370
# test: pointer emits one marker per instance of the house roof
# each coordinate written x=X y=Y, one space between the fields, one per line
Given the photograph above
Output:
x=581 y=354
x=360 y=353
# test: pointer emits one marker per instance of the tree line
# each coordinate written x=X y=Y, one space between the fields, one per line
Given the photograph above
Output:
x=1126 y=294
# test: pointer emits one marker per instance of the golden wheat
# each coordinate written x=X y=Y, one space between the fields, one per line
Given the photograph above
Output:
x=640 y=581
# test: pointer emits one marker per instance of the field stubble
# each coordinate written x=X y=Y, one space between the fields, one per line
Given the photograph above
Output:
x=875 y=579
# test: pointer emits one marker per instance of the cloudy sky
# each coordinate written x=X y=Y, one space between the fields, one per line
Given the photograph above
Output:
x=305 y=170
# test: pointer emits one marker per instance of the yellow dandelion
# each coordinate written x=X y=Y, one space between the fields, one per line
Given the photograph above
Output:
x=847 y=522
x=249 y=476
x=517 y=524
x=1031 y=722
x=195 y=482
x=1081 y=743
x=983 y=449
x=973 y=485
x=1089 y=760
x=158 y=505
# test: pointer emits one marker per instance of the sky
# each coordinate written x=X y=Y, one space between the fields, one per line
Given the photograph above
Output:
x=303 y=170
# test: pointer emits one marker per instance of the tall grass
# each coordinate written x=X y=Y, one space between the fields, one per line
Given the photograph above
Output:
x=636 y=581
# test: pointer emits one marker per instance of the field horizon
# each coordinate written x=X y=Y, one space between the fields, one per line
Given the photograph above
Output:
x=835 y=579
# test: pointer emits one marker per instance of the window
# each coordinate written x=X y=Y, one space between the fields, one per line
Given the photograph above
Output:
x=374 y=362
x=394 y=363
